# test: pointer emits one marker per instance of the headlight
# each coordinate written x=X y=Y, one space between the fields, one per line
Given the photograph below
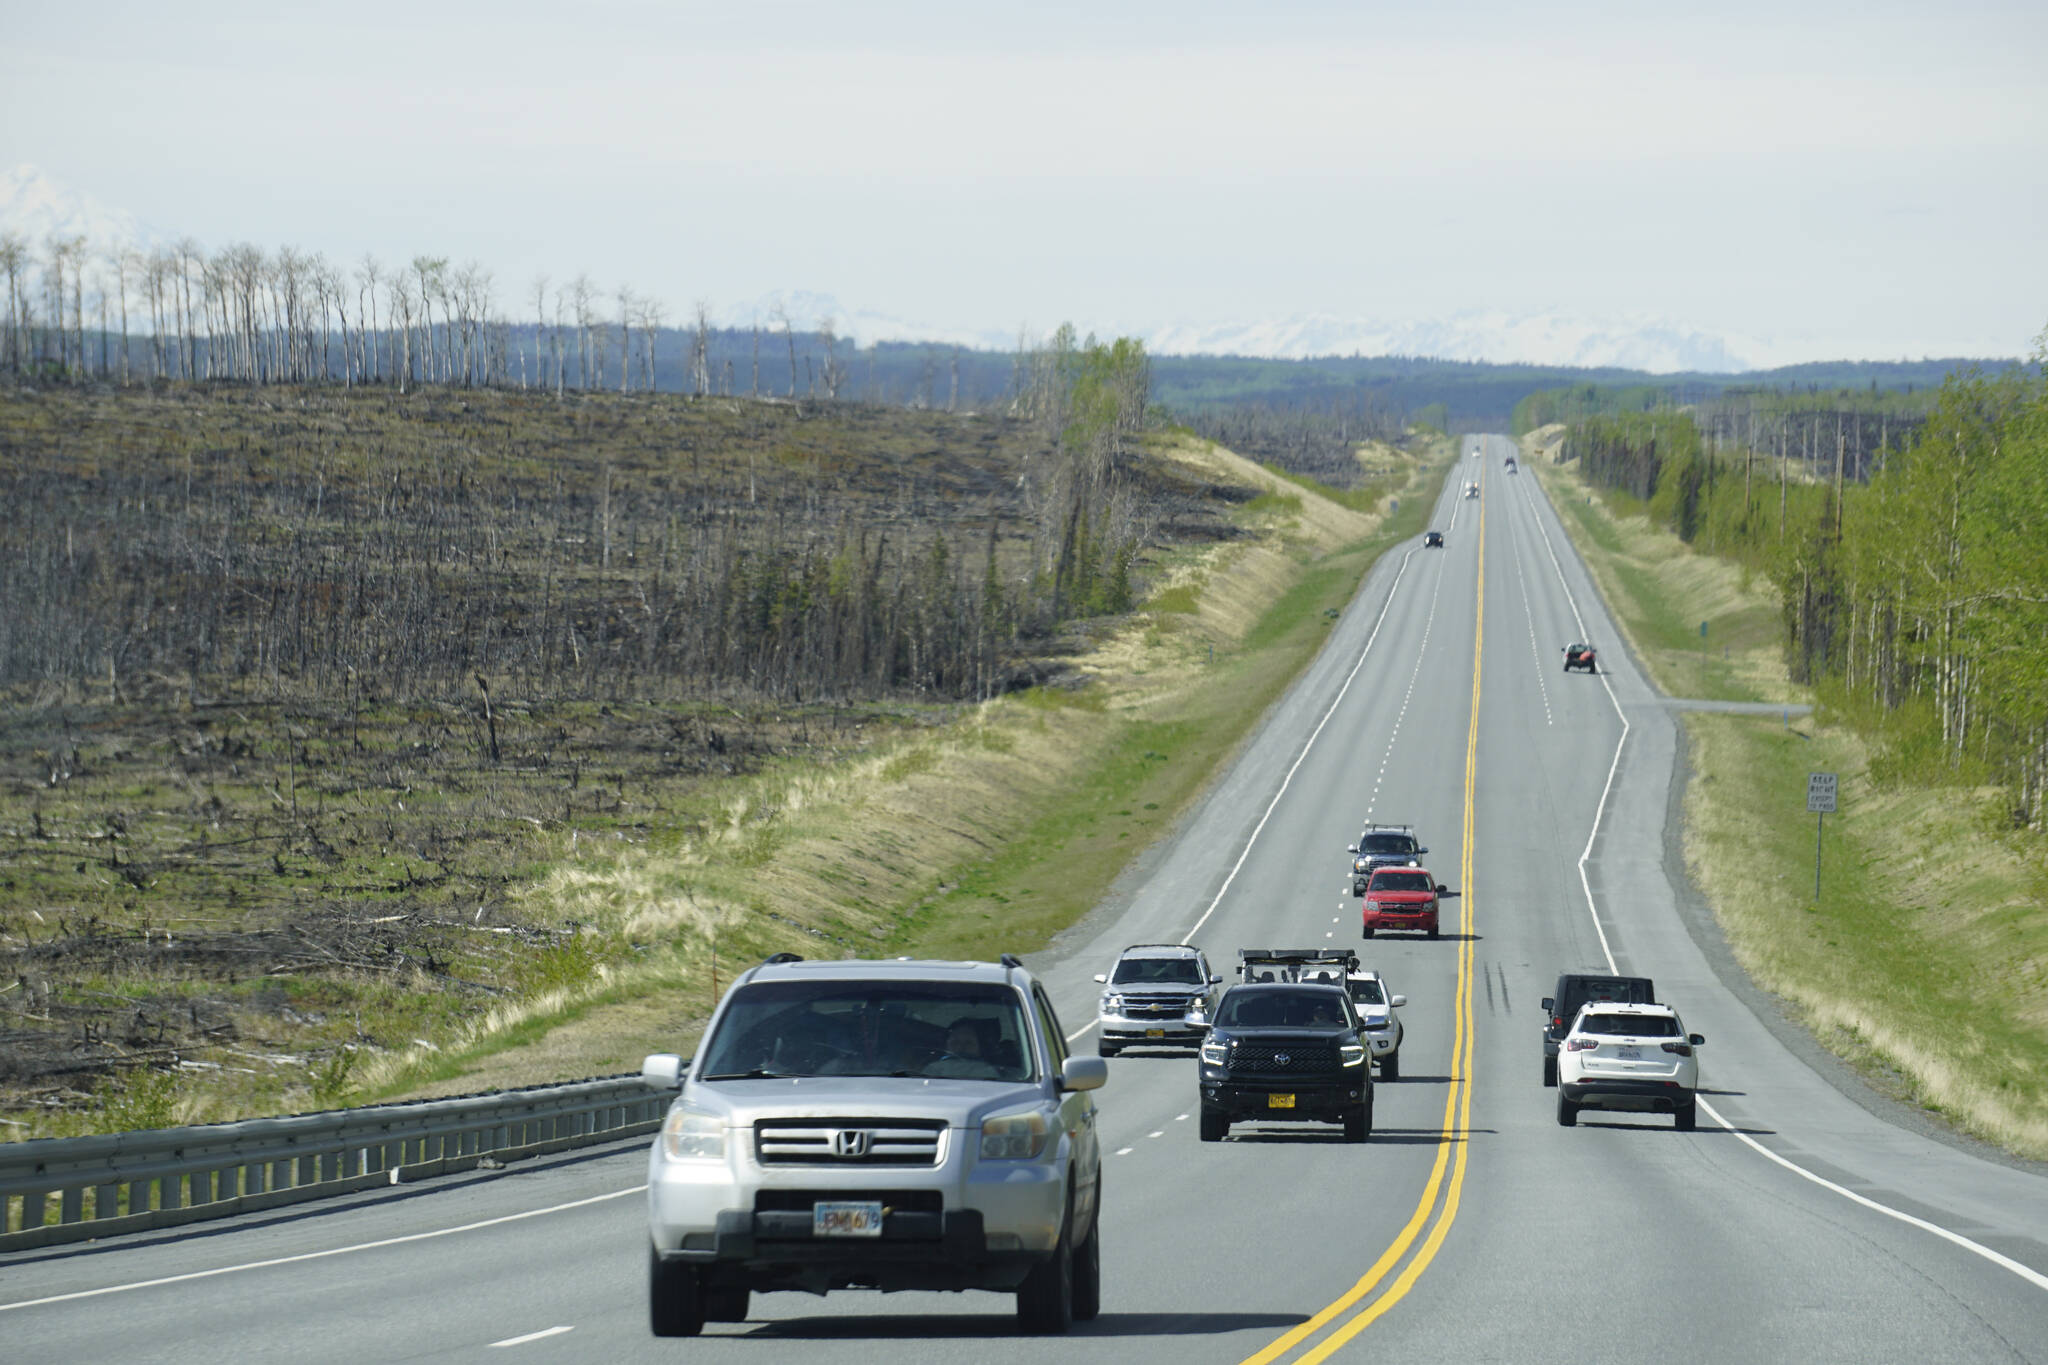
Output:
x=1017 y=1136
x=1353 y=1054
x=1372 y=905
x=1112 y=1003
x=693 y=1135
x=1215 y=1054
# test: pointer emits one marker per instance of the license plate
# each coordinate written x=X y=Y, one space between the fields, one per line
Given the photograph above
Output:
x=852 y=1219
x=1279 y=1101
x=1155 y=1033
x=1631 y=1054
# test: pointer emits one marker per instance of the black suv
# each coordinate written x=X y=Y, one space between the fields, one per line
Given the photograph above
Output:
x=1575 y=989
x=1382 y=846
x=1288 y=1052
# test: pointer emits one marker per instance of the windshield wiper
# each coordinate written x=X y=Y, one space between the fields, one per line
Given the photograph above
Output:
x=757 y=1074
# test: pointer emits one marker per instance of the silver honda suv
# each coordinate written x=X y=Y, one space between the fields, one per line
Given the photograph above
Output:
x=878 y=1125
x=1157 y=995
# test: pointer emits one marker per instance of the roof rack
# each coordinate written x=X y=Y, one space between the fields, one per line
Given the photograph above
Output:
x=1011 y=960
x=1178 y=947
x=777 y=959
x=1292 y=961
x=1381 y=824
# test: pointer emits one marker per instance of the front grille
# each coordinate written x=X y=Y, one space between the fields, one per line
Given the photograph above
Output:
x=1155 y=1006
x=849 y=1142
x=1265 y=1059
x=801 y=1201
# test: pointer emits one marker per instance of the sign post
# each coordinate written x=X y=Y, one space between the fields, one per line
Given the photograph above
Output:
x=1820 y=799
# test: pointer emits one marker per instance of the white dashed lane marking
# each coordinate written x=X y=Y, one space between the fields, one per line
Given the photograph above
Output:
x=533 y=1336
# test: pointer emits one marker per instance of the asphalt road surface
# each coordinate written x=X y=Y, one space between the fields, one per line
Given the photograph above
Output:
x=1803 y=1220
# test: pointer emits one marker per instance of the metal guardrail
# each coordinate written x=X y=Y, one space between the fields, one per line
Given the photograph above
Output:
x=56 y=1190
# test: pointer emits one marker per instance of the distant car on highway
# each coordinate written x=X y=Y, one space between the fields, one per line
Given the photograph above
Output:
x=1405 y=898
x=876 y=1125
x=1629 y=1057
x=1511 y=464
x=1472 y=489
x=1382 y=846
x=1580 y=656
x=1432 y=540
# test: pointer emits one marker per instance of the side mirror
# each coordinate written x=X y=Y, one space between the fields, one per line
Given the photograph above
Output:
x=1083 y=1073
x=1215 y=980
x=662 y=1070
x=1420 y=851
x=1398 y=1001
x=1102 y=977
x=1549 y=1005
x=1697 y=1041
x=1351 y=848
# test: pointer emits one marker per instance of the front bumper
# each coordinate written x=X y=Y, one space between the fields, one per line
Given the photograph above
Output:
x=1616 y=1092
x=1156 y=1029
x=1383 y=1044
x=1316 y=1099
x=1417 y=921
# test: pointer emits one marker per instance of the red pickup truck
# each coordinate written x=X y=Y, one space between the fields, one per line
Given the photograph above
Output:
x=1402 y=898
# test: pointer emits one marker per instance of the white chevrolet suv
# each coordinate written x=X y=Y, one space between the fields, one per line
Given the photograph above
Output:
x=1628 y=1056
x=878 y=1125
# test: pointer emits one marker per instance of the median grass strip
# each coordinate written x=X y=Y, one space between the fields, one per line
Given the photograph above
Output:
x=1924 y=961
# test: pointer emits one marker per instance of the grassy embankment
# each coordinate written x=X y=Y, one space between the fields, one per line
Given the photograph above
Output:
x=1924 y=962
x=986 y=835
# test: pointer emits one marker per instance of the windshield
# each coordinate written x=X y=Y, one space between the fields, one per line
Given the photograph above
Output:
x=1400 y=881
x=1386 y=843
x=957 y=1029
x=1140 y=971
x=1368 y=993
x=1630 y=1025
x=1305 y=1008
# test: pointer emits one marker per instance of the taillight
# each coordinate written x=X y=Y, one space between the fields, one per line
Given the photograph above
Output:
x=1556 y=1021
x=1681 y=1049
x=1580 y=1044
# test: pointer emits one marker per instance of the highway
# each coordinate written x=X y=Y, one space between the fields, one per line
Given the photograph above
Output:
x=1802 y=1220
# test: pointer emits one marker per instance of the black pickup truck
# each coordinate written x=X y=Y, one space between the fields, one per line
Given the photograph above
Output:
x=1286 y=1052
x=1574 y=989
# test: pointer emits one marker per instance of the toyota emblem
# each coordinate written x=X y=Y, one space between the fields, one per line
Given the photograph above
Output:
x=1283 y=1058
x=851 y=1144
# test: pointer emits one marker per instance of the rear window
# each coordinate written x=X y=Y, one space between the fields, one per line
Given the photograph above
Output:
x=1401 y=881
x=957 y=1029
x=1630 y=1025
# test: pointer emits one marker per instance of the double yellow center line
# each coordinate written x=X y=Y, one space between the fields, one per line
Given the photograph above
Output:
x=1439 y=1203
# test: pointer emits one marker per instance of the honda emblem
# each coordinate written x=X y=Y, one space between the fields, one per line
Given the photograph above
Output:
x=851 y=1144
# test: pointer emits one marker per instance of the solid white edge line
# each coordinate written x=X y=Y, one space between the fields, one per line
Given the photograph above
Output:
x=541 y=1335
x=1300 y=758
x=2025 y=1272
x=319 y=1255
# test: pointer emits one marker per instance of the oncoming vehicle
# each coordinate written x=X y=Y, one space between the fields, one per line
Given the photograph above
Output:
x=1159 y=995
x=1472 y=489
x=1382 y=846
x=1432 y=540
x=1628 y=1057
x=876 y=1125
x=1402 y=898
x=1288 y=1052
x=1580 y=656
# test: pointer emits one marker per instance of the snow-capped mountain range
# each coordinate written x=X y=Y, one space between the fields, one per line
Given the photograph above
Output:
x=35 y=207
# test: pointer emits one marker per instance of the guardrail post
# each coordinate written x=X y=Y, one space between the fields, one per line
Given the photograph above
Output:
x=106 y=1201
x=170 y=1192
x=72 y=1207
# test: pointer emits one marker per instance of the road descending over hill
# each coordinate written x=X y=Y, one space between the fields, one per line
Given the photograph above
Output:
x=1796 y=1223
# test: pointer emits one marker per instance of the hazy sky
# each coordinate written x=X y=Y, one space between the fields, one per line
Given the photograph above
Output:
x=1849 y=179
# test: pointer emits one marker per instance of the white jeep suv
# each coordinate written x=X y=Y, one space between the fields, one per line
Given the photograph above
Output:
x=877 y=1125
x=1627 y=1056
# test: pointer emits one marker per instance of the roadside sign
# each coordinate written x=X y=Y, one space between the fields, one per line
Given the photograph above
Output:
x=1820 y=793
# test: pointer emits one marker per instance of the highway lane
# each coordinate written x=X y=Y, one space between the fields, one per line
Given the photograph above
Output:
x=1515 y=1234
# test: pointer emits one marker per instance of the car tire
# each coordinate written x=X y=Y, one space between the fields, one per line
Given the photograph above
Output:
x=1215 y=1124
x=1088 y=1269
x=1390 y=1069
x=1358 y=1124
x=1549 y=1072
x=675 y=1297
x=1045 y=1301
x=1107 y=1049
x=1686 y=1118
x=1432 y=931
x=1567 y=1112
x=728 y=1303
x=1368 y=933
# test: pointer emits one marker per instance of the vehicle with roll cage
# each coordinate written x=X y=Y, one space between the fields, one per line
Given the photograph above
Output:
x=1370 y=997
x=900 y=1125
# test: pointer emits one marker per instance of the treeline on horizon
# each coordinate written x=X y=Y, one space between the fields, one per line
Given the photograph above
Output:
x=1913 y=572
